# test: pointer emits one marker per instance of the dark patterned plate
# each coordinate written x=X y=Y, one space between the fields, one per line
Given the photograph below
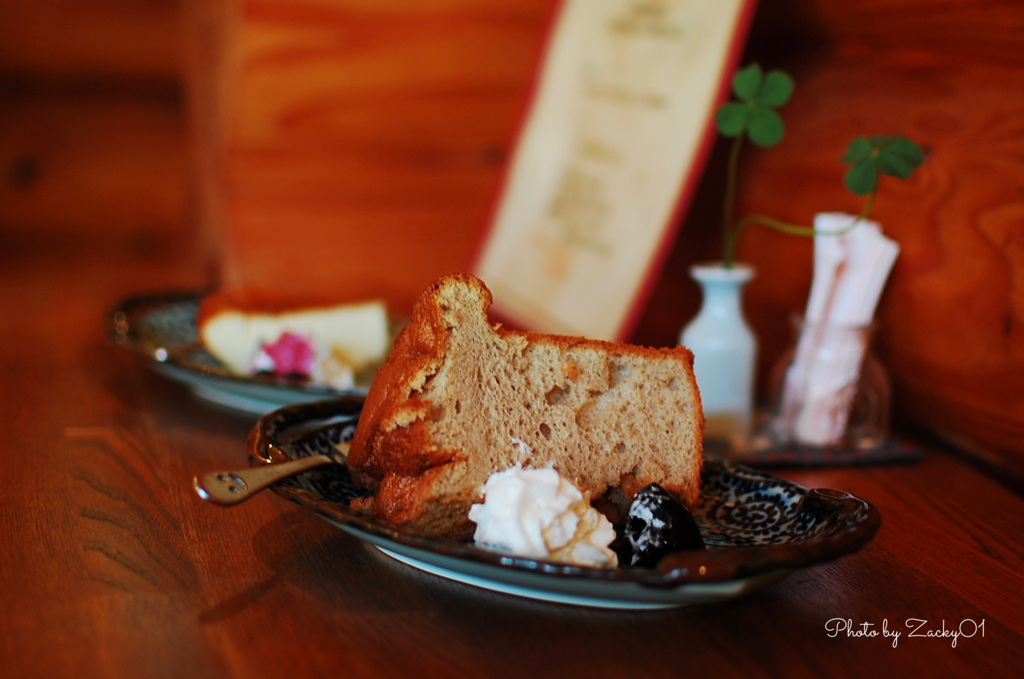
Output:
x=758 y=528
x=161 y=329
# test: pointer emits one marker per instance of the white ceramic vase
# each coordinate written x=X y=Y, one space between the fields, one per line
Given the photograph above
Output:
x=724 y=350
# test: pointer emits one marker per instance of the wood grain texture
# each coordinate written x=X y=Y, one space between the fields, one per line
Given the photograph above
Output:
x=376 y=131
x=100 y=40
x=92 y=165
x=113 y=568
x=93 y=142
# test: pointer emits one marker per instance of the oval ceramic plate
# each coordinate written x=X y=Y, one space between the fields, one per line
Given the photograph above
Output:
x=161 y=329
x=758 y=528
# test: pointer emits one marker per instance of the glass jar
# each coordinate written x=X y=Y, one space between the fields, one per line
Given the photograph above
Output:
x=829 y=389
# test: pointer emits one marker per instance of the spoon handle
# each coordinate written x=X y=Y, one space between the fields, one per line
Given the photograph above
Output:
x=232 y=487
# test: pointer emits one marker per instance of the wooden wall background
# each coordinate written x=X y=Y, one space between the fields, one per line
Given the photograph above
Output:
x=376 y=130
x=247 y=125
x=92 y=136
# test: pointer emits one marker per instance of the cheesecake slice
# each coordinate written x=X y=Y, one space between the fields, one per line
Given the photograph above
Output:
x=326 y=343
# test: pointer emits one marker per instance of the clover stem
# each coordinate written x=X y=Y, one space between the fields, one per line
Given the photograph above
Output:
x=795 y=230
x=730 y=233
x=867 y=206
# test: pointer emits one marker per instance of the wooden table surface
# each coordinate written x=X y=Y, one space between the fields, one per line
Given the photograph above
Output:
x=111 y=567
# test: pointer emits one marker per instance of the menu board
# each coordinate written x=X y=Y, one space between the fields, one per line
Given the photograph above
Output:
x=618 y=129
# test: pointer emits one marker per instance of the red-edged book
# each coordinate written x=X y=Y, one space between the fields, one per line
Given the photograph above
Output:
x=615 y=136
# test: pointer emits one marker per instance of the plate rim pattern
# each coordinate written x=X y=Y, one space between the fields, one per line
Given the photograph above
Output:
x=853 y=522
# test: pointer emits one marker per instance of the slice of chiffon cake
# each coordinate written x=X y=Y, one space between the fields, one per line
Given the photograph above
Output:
x=459 y=398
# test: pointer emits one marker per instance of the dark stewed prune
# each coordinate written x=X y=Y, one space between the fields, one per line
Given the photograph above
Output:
x=657 y=525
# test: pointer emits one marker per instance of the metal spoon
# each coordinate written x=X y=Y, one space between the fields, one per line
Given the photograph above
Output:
x=228 y=488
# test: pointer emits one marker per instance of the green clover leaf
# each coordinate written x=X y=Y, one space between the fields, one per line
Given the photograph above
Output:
x=758 y=94
x=747 y=82
x=862 y=178
x=765 y=127
x=776 y=89
x=732 y=119
x=900 y=157
x=858 y=150
x=894 y=156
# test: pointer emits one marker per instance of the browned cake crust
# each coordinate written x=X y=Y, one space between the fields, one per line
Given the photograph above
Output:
x=459 y=399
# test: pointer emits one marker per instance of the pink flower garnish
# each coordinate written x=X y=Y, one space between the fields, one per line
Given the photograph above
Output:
x=292 y=354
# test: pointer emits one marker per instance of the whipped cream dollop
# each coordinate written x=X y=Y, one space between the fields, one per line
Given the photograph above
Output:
x=537 y=513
